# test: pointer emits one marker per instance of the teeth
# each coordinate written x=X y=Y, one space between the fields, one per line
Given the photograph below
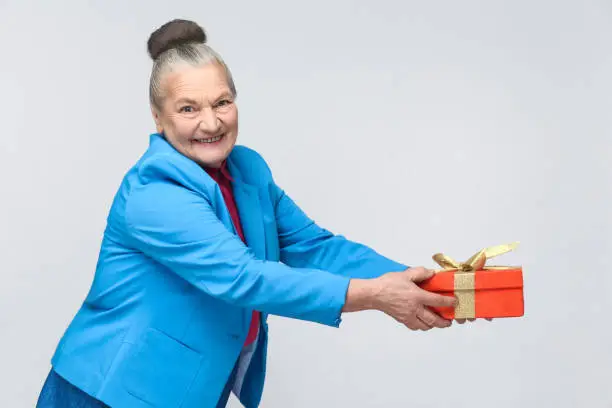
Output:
x=211 y=140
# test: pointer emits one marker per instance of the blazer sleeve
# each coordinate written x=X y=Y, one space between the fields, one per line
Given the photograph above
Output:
x=304 y=244
x=177 y=227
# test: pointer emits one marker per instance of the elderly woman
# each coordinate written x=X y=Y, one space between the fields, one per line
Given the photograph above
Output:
x=200 y=246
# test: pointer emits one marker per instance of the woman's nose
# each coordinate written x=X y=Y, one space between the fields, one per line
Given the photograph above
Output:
x=209 y=122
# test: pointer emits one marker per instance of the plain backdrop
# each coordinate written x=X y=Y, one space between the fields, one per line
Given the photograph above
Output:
x=415 y=127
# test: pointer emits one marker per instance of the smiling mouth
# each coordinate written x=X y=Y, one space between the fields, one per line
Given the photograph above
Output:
x=210 y=140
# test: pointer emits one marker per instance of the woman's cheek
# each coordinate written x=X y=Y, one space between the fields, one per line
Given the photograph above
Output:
x=186 y=128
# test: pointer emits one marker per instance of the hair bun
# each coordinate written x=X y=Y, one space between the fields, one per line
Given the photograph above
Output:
x=174 y=34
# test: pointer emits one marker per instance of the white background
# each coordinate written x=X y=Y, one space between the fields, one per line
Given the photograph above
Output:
x=415 y=127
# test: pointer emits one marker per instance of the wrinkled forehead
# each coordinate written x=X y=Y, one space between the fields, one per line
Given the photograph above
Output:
x=207 y=82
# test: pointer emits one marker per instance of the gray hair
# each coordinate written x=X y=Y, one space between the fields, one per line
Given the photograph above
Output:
x=179 y=43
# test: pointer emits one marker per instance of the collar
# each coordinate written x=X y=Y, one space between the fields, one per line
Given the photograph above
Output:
x=221 y=172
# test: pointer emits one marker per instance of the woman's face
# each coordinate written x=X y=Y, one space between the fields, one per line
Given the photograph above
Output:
x=198 y=115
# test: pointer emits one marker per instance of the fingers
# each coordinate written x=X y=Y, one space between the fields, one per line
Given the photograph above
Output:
x=417 y=324
x=437 y=300
x=431 y=319
x=426 y=325
x=418 y=274
x=425 y=320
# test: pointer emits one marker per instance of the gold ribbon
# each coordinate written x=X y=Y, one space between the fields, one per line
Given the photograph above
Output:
x=464 y=283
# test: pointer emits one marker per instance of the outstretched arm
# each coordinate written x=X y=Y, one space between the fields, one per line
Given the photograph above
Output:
x=177 y=227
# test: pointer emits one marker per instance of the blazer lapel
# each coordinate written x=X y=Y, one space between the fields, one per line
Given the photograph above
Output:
x=249 y=204
x=250 y=212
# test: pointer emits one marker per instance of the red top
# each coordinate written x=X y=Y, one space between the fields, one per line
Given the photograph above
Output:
x=224 y=179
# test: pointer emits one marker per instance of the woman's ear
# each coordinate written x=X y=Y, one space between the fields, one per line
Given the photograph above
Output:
x=157 y=119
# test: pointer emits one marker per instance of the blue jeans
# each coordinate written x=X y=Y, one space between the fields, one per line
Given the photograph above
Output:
x=59 y=393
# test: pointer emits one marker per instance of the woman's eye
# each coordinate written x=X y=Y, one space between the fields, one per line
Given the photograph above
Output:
x=223 y=103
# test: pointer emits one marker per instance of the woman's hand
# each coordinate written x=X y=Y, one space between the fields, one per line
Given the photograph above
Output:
x=398 y=295
x=401 y=298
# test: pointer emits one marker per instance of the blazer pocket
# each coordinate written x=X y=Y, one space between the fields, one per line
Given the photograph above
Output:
x=161 y=370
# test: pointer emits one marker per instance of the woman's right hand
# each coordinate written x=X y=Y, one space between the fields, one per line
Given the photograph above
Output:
x=398 y=295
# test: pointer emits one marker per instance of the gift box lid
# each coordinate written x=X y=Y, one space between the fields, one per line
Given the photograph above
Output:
x=509 y=278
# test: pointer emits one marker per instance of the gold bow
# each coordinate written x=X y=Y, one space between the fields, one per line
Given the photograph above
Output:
x=465 y=275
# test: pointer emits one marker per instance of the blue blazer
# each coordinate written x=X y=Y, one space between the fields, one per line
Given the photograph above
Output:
x=170 y=304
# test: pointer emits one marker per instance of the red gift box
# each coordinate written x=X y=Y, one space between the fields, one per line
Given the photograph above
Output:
x=482 y=291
